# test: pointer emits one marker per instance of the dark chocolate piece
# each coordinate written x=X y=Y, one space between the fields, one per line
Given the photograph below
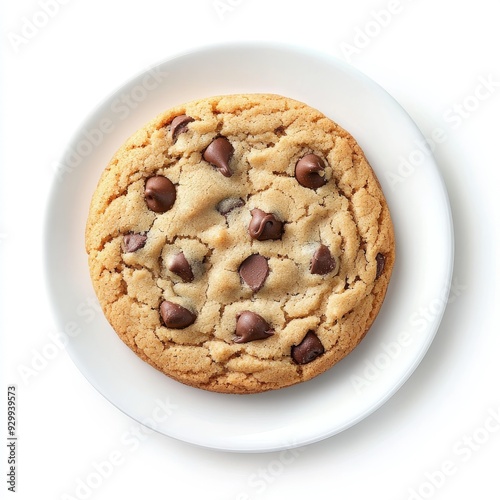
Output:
x=380 y=264
x=159 y=194
x=254 y=271
x=179 y=125
x=219 y=153
x=176 y=316
x=250 y=326
x=310 y=171
x=133 y=241
x=308 y=350
x=322 y=261
x=179 y=265
x=264 y=226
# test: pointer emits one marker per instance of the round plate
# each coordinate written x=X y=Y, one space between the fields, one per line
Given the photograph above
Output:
x=414 y=304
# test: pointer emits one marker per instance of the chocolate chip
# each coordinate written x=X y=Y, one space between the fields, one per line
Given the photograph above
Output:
x=310 y=171
x=133 y=241
x=253 y=271
x=179 y=125
x=264 y=226
x=308 y=350
x=159 y=193
x=176 y=316
x=179 y=265
x=322 y=261
x=250 y=326
x=219 y=153
x=228 y=205
x=380 y=264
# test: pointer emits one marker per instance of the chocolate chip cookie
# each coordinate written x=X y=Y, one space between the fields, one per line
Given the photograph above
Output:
x=240 y=243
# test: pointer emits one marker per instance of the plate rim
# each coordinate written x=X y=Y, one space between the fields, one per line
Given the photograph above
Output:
x=307 y=52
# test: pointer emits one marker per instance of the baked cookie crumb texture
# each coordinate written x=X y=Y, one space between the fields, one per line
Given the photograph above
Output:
x=240 y=243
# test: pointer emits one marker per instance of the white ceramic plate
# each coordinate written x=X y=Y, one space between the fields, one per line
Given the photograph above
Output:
x=416 y=298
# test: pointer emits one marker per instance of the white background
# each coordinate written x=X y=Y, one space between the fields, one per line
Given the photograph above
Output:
x=439 y=436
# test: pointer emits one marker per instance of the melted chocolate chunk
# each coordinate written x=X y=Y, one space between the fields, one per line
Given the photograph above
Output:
x=322 y=261
x=254 y=271
x=179 y=265
x=310 y=171
x=264 y=226
x=179 y=125
x=133 y=241
x=250 y=326
x=380 y=264
x=176 y=316
x=219 y=153
x=159 y=194
x=308 y=350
